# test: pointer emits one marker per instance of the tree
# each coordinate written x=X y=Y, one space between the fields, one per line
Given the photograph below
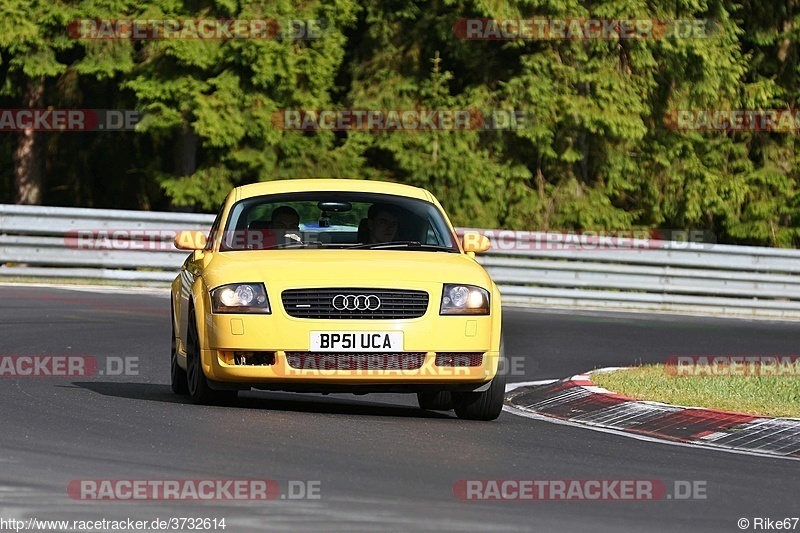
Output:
x=31 y=34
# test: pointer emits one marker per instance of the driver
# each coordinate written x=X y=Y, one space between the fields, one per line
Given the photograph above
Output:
x=284 y=221
x=285 y=218
x=382 y=222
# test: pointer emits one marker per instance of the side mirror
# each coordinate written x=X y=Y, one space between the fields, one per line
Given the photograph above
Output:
x=190 y=240
x=475 y=243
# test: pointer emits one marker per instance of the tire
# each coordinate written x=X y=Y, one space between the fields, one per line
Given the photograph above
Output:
x=177 y=374
x=436 y=401
x=486 y=405
x=199 y=391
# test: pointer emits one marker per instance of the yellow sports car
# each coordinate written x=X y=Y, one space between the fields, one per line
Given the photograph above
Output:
x=337 y=286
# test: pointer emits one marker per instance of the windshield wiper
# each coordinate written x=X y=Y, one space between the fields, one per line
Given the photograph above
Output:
x=296 y=245
x=402 y=244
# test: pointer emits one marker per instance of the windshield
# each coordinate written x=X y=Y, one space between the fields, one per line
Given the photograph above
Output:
x=336 y=220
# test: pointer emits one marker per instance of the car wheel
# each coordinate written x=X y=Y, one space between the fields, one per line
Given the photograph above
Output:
x=199 y=390
x=436 y=401
x=486 y=405
x=177 y=374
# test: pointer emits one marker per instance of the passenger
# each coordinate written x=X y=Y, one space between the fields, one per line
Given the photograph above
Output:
x=382 y=222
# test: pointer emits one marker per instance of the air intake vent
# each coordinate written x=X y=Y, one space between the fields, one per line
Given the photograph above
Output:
x=379 y=304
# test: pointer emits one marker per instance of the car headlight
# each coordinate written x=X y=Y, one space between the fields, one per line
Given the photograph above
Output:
x=464 y=300
x=240 y=298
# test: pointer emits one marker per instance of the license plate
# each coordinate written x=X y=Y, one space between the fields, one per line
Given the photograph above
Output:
x=356 y=341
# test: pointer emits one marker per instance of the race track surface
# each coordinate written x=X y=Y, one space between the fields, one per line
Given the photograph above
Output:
x=381 y=463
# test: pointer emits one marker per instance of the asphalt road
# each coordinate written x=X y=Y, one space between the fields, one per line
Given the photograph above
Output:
x=381 y=463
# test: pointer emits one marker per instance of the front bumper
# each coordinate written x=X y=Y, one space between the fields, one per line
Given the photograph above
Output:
x=278 y=334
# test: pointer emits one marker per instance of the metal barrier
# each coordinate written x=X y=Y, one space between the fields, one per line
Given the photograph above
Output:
x=105 y=244
x=530 y=268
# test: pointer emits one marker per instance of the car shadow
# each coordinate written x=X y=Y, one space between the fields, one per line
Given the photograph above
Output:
x=262 y=400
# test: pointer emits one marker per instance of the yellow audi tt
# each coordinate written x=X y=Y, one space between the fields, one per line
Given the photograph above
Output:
x=337 y=286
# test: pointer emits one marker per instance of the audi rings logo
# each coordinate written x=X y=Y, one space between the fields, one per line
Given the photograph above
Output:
x=356 y=302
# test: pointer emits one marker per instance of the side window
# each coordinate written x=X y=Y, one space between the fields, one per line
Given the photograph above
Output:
x=431 y=236
x=214 y=229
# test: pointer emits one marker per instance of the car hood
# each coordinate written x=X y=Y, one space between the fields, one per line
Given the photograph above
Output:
x=343 y=268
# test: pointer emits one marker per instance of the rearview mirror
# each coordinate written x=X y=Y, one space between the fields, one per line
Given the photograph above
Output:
x=336 y=207
x=190 y=240
x=475 y=242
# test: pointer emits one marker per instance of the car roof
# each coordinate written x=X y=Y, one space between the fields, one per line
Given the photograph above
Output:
x=338 y=185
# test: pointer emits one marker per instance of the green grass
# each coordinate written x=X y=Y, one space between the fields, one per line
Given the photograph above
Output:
x=757 y=395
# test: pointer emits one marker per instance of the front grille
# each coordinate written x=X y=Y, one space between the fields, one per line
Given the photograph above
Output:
x=355 y=361
x=342 y=303
x=459 y=359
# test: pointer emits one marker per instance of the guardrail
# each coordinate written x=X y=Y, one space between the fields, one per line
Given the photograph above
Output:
x=45 y=242
x=529 y=268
